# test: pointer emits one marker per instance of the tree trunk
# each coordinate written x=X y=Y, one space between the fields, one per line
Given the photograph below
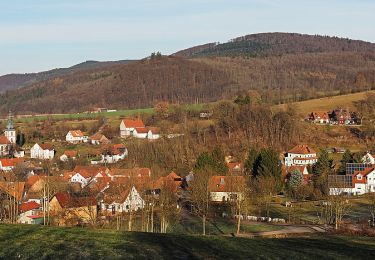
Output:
x=238 y=224
x=152 y=218
x=204 y=224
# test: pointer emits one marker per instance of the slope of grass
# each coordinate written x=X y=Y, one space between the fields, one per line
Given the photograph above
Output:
x=327 y=103
x=35 y=242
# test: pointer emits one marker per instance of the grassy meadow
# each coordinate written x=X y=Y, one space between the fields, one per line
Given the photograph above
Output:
x=36 y=242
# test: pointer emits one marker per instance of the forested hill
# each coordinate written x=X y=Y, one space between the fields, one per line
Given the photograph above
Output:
x=309 y=67
x=15 y=81
x=269 y=44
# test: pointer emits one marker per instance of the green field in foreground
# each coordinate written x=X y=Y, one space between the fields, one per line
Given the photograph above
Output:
x=36 y=242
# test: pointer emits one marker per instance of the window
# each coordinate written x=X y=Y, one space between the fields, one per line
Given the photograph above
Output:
x=359 y=177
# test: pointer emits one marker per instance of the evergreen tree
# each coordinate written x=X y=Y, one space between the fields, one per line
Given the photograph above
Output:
x=295 y=180
x=322 y=168
x=250 y=161
x=268 y=164
x=347 y=157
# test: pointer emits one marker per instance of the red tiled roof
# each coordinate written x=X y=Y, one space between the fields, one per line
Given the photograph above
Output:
x=46 y=146
x=67 y=201
x=133 y=123
x=301 y=149
x=171 y=179
x=141 y=130
x=32 y=180
x=89 y=171
x=98 y=137
x=225 y=183
x=71 y=154
x=154 y=130
x=4 y=140
x=26 y=206
x=11 y=162
x=76 y=133
x=320 y=115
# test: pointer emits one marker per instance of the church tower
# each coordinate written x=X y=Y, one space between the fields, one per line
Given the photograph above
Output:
x=10 y=132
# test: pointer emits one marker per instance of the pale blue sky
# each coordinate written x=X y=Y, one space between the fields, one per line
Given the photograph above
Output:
x=37 y=35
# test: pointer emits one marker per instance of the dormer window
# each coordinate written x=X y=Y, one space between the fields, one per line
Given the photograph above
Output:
x=359 y=177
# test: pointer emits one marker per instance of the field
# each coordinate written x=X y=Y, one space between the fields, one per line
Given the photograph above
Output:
x=35 y=242
x=327 y=103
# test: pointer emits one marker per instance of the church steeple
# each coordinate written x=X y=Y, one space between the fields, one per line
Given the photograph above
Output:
x=10 y=125
x=10 y=132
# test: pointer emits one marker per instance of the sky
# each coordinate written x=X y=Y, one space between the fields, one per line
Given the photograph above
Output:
x=38 y=35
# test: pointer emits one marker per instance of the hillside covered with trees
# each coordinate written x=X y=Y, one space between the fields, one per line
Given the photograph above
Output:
x=270 y=44
x=295 y=67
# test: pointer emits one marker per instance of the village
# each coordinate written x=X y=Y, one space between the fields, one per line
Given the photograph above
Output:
x=98 y=191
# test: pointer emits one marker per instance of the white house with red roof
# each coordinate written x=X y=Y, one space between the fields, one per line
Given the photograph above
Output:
x=8 y=164
x=136 y=128
x=369 y=158
x=76 y=136
x=319 y=117
x=133 y=127
x=300 y=155
x=129 y=200
x=42 y=151
x=30 y=213
x=225 y=188
x=364 y=181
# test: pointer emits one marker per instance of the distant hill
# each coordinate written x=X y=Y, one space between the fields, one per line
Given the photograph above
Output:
x=15 y=81
x=279 y=67
x=270 y=44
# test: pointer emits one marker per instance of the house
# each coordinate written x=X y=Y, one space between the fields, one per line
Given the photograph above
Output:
x=18 y=152
x=70 y=210
x=133 y=127
x=369 y=158
x=86 y=174
x=4 y=145
x=30 y=213
x=300 y=155
x=9 y=163
x=319 y=117
x=42 y=151
x=235 y=168
x=68 y=155
x=75 y=136
x=225 y=188
x=153 y=133
x=112 y=154
x=128 y=200
x=343 y=117
x=364 y=181
x=172 y=181
x=98 y=139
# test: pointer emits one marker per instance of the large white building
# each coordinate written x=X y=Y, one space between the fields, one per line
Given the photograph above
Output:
x=300 y=155
x=42 y=152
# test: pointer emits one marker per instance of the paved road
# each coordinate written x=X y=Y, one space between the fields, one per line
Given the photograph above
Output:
x=288 y=230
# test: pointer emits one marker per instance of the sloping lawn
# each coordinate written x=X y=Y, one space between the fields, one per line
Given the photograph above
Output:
x=36 y=242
